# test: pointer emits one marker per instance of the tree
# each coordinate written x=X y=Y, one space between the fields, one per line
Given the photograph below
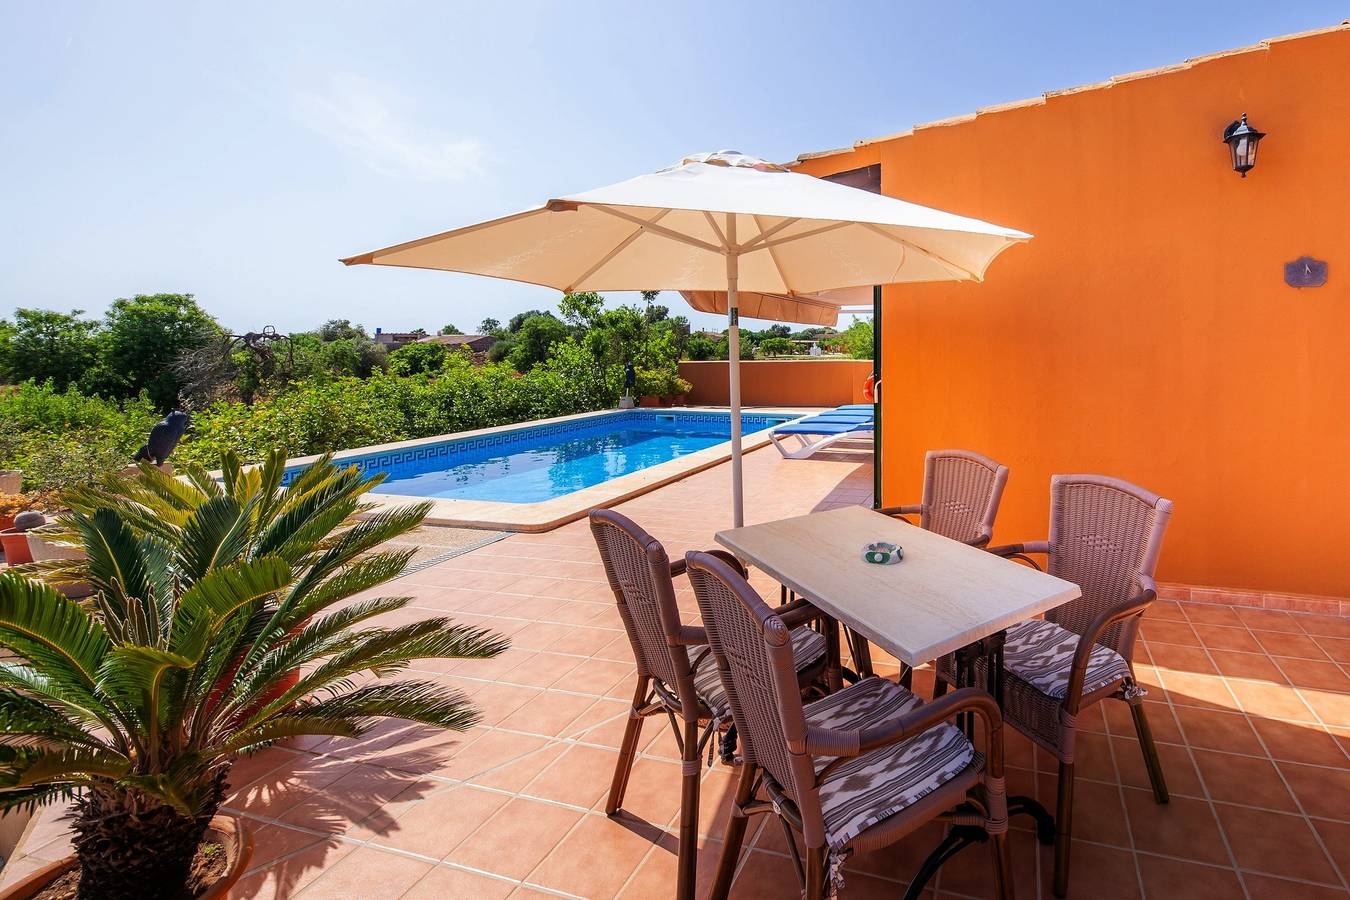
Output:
x=449 y=329
x=489 y=326
x=519 y=319
x=418 y=359
x=857 y=339
x=219 y=625
x=581 y=310
x=533 y=339
x=776 y=346
x=144 y=335
x=44 y=344
x=700 y=346
x=340 y=329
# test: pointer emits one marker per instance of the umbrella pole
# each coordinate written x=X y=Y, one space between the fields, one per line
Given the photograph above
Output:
x=734 y=377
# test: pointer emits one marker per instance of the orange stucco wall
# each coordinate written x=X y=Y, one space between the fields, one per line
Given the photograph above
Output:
x=771 y=382
x=1146 y=332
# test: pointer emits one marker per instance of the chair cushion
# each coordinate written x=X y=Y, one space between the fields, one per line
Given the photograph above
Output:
x=874 y=786
x=808 y=648
x=1041 y=654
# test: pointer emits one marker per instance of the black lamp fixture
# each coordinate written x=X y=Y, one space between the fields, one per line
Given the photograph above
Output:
x=1242 y=139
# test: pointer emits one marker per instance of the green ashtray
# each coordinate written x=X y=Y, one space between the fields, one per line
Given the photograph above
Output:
x=883 y=554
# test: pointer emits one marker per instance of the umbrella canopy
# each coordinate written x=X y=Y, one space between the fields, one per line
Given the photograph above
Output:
x=716 y=222
x=806 y=309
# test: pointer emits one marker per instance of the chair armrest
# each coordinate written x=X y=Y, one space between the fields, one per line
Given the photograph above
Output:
x=798 y=612
x=678 y=566
x=899 y=512
x=691 y=636
x=1020 y=551
x=1134 y=606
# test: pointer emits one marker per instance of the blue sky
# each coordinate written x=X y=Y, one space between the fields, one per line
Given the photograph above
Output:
x=236 y=150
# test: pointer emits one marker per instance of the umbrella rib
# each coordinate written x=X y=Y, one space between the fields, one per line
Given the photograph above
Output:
x=928 y=253
x=765 y=234
x=833 y=226
x=661 y=230
x=617 y=249
x=782 y=276
x=717 y=231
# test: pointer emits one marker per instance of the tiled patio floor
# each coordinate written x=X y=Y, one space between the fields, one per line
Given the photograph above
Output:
x=1251 y=708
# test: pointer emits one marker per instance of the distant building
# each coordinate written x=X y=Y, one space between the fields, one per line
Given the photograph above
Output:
x=476 y=343
x=392 y=340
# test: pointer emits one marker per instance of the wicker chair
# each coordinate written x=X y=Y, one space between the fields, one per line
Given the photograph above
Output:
x=961 y=493
x=855 y=771
x=1105 y=536
x=686 y=690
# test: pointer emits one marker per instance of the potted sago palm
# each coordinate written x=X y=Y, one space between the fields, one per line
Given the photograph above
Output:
x=222 y=621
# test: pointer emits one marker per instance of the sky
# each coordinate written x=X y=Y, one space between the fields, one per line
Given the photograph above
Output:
x=236 y=150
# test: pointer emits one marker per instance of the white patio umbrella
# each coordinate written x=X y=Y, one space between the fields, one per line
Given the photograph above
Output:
x=719 y=222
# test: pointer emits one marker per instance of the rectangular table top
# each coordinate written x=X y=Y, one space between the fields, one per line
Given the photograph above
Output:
x=940 y=597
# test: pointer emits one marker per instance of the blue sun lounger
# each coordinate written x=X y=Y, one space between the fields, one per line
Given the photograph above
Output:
x=816 y=433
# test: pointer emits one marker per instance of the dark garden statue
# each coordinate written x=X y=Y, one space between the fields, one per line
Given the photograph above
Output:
x=164 y=436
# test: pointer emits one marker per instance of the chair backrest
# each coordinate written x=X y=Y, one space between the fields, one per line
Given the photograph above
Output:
x=1105 y=535
x=638 y=570
x=961 y=494
x=753 y=649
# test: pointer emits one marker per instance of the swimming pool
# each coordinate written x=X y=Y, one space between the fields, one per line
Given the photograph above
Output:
x=539 y=463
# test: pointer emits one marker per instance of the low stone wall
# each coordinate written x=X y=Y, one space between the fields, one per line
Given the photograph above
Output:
x=780 y=382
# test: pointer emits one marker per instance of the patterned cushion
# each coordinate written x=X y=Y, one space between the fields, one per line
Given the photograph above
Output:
x=808 y=648
x=1041 y=654
x=872 y=787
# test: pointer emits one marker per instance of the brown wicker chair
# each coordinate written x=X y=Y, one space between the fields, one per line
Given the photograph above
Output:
x=1105 y=536
x=961 y=494
x=855 y=771
x=686 y=690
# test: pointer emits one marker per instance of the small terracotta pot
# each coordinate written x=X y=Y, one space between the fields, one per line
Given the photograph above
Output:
x=649 y=401
x=681 y=399
x=16 y=547
x=667 y=400
x=6 y=523
x=232 y=833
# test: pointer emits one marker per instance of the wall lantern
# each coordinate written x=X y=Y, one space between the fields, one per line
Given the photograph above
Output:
x=1242 y=139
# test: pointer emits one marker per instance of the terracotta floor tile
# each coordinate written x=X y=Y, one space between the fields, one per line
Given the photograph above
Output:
x=1299 y=742
x=1157 y=631
x=1180 y=658
x=584 y=640
x=1324 y=792
x=292 y=874
x=435 y=825
x=1182 y=822
x=1252 y=666
x=541 y=669
x=1325 y=626
x=1268 y=620
x=364 y=868
x=1274 y=700
x=1098 y=815
x=1317 y=674
x=1336 y=837
x=581 y=777
x=513 y=775
x=1223 y=637
x=655 y=877
x=653 y=791
x=1211 y=614
x=1244 y=779
x=1172 y=879
x=1218 y=731
x=491 y=750
x=1207 y=691
x=572 y=867
x=598 y=676
x=350 y=799
x=1178 y=770
x=548 y=713
x=1274 y=843
x=1333 y=709
x=516 y=839
x=1101 y=873
x=445 y=883
x=1336 y=648
x=1266 y=888
x=1279 y=644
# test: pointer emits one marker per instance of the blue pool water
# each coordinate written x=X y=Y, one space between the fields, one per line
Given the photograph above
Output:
x=531 y=465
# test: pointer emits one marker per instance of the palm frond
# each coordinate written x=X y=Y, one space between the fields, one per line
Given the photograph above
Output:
x=215 y=534
x=426 y=702
x=52 y=632
x=22 y=767
x=25 y=718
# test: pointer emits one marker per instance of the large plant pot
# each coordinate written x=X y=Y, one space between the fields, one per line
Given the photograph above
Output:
x=230 y=832
x=11 y=481
x=15 y=544
x=41 y=550
x=649 y=401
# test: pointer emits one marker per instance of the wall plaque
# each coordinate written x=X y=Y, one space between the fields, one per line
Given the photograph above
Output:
x=1305 y=272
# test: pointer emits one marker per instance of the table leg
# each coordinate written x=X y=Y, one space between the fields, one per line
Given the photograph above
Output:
x=834 y=672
